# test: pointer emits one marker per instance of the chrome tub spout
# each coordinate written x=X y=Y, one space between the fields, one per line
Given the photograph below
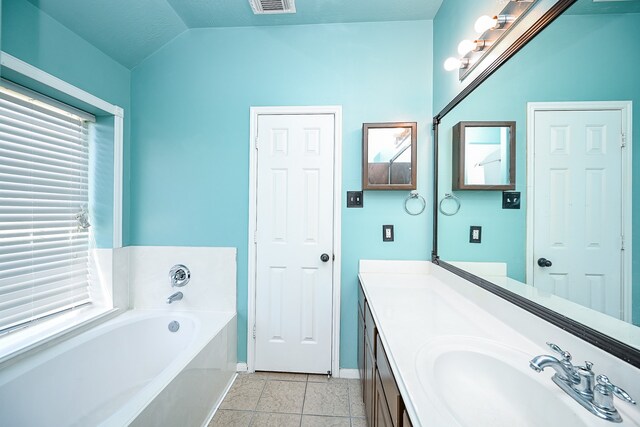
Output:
x=174 y=297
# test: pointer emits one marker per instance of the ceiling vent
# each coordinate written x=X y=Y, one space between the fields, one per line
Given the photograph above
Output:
x=263 y=7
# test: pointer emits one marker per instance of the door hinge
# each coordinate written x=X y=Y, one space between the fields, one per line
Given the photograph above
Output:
x=255 y=236
x=256 y=142
x=254 y=332
x=624 y=140
x=622 y=243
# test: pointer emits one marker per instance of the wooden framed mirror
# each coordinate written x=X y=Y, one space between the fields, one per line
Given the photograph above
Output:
x=389 y=156
x=484 y=156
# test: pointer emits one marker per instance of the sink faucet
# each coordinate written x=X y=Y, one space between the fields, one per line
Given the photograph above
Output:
x=174 y=297
x=564 y=369
x=578 y=382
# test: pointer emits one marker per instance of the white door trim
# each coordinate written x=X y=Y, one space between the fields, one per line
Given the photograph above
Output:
x=336 y=111
x=626 y=108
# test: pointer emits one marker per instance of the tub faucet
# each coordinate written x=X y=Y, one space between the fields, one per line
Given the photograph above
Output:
x=578 y=382
x=174 y=297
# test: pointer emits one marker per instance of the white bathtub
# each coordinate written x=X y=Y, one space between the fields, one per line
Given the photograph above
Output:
x=130 y=370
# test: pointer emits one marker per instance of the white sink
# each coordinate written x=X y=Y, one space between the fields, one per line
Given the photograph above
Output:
x=480 y=382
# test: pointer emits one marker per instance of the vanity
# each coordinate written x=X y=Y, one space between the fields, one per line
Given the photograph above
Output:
x=528 y=312
x=434 y=351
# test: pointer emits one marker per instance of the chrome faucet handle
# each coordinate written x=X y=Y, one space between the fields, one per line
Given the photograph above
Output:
x=585 y=384
x=179 y=275
x=604 y=381
x=566 y=356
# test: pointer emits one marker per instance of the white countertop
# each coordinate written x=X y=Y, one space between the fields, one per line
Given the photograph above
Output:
x=417 y=305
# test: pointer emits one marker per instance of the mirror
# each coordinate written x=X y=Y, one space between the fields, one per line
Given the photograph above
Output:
x=483 y=156
x=571 y=92
x=389 y=156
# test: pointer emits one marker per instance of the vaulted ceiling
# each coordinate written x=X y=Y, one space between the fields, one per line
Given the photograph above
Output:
x=130 y=30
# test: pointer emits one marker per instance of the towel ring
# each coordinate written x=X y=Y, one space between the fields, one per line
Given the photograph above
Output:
x=452 y=197
x=414 y=195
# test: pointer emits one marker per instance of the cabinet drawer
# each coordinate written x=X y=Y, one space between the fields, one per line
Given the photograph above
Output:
x=370 y=328
x=391 y=392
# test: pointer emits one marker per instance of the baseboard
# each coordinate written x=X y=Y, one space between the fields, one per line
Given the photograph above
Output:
x=344 y=373
x=349 y=373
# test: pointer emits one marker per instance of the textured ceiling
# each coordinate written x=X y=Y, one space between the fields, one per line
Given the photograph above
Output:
x=131 y=30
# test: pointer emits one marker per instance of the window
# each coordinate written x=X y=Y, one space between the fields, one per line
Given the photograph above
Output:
x=44 y=228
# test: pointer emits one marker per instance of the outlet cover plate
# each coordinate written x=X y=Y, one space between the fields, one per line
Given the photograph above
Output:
x=475 y=234
x=387 y=233
x=354 y=199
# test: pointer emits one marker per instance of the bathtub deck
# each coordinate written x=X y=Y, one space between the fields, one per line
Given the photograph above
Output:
x=270 y=399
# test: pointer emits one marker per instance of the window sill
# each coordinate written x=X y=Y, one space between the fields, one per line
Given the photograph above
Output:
x=22 y=342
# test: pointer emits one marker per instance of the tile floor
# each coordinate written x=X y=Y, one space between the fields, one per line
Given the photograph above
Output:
x=266 y=399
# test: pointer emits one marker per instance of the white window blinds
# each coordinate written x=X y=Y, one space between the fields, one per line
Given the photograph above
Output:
x=44 y=164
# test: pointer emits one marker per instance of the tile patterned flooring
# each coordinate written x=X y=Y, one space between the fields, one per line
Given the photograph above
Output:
x=265 y=399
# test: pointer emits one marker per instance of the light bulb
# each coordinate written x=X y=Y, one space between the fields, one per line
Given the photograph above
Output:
x=452 y=64
x=484 y=23
x=465 y=47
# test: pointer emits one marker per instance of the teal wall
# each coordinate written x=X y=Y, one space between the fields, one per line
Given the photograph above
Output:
x=190 y=139
x=564 y=63
x=34 y=37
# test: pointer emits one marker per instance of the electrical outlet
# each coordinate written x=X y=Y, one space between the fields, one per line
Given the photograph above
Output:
x=354 y=199
x=510 y=200
x=475 y=234
x=387 y=233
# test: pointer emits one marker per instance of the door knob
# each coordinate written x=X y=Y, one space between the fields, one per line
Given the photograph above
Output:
x=324 y=257
x=543 y=262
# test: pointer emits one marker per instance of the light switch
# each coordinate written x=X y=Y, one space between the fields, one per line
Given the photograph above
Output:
x=510 y=200
x=354 y=199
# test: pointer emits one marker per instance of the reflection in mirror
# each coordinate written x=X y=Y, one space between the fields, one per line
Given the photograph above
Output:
x=574 y=245
x=389 y=154
x=483 y=156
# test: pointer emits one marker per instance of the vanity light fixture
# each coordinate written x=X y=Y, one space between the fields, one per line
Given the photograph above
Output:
x=456 y=64
x=491 y=30
x=467 y=46
x=485 y=23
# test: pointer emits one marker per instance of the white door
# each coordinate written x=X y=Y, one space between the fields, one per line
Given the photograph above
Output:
x=294 y=287
x=578 y=167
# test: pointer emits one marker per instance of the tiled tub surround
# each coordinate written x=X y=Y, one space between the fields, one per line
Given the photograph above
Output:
x=291 y=400
x=131 y=370
x=213 y=278
x=417 y=305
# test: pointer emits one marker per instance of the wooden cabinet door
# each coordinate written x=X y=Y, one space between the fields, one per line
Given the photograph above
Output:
x=361 y=348
x=406 y=422
x=369 y=383
x=382 y=416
